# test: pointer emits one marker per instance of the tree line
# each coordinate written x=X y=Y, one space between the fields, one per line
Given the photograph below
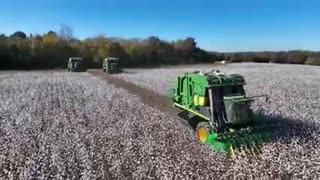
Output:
x=52 y=50
x=283 y=57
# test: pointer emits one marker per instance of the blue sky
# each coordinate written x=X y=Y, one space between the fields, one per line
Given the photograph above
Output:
x=219 y=25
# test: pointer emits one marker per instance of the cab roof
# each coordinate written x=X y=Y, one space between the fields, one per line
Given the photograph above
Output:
x=217 y=78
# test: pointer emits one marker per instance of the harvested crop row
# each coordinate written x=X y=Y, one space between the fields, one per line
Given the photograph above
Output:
x=64 y=125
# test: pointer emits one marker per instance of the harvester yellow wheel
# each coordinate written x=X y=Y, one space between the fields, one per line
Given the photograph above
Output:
x=203 y=131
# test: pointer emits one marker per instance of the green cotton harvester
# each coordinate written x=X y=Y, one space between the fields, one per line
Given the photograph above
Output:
x=217 y=106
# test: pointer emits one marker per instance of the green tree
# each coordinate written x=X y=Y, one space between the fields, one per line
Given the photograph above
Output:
x=19 y=34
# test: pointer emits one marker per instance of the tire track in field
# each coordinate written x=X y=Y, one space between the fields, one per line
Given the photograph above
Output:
x=148 y=97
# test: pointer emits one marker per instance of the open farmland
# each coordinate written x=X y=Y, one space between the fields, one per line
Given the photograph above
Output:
x=75 y=125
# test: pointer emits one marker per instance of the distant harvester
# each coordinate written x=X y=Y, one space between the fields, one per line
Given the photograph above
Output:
x=111 y=65
x=76 y=64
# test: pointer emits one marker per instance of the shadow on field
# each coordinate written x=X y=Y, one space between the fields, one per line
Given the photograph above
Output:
x=286 y=129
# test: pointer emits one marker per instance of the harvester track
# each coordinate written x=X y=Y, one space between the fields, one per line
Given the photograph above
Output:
x=148 y=97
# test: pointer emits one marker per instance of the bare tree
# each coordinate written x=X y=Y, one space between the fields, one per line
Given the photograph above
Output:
x=66 y=32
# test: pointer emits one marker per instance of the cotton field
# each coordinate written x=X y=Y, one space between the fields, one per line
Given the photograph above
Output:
x=63 y=125
x=79 y=126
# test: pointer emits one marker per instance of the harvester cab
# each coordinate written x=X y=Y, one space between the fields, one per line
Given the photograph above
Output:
x=76 y=64
x=111 y=65
x=216 y=103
